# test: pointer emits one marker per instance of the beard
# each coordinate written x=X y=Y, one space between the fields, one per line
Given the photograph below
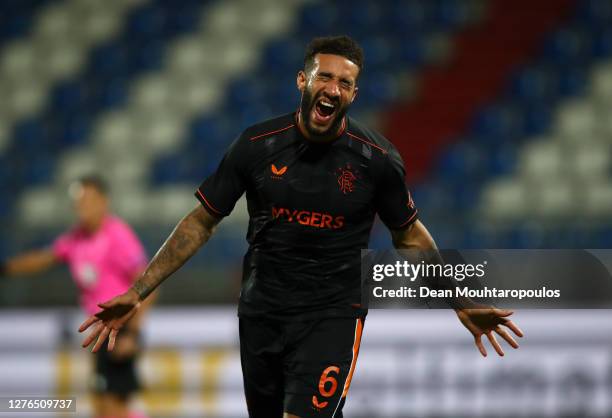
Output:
x=307 y=104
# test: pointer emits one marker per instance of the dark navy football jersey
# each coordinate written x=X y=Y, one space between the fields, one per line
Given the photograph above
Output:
x=311 y=209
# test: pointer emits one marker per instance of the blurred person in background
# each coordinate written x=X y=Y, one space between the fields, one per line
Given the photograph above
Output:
x=105 y=257
x=314 y=181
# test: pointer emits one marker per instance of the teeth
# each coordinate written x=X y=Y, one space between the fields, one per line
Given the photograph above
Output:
x=327 y=104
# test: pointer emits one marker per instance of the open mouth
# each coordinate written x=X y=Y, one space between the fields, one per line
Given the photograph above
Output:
x=324 y=110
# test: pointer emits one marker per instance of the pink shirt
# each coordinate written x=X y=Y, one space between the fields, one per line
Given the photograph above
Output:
x=103 y=264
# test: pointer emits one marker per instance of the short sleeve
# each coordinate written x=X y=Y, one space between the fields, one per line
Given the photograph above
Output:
x=220 y=192
x=394 y=203
x=61 y=247
x=131 y=257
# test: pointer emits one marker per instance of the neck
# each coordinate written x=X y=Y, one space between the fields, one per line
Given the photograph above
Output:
x=319 y=138
x=93 y=227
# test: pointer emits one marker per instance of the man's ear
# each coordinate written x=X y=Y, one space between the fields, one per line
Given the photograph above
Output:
x=301 y=80
x=355 y=94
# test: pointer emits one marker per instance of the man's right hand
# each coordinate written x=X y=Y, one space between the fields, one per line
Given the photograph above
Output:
x=107 y=323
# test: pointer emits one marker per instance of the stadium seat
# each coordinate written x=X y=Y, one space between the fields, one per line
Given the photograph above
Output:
x=601 y=87
x=505 y=200
x=43 y=206
x=464 y=160
x=537 y=117
x=576 y=120
x=542 y=161
x=598 y=199
x=590 y=162
x=568 y=46
x=410 y=16
x=553 y=200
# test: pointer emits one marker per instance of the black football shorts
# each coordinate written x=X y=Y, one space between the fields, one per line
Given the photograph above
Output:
x=116 y=376
x=303 y=368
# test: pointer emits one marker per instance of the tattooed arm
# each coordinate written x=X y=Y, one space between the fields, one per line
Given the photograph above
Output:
x=193 y=231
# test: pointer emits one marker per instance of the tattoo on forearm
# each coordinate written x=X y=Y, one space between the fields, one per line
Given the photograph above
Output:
x=188 y=236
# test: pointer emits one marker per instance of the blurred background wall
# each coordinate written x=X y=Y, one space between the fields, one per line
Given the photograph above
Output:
x=501 y=110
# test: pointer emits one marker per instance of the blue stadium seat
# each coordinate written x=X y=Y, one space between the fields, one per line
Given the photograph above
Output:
x=524 y=236
x=463 y=160
x=10 y=179
x=379 y=238
x=16 y=17
x=595 y=12
x=68 y=96
x=534 y=83
x=210 y=129
x=572 y=81
x=602 y=45
x=362 y=15
x=248 y=116
x=568 y=46
x=497 y=122
x=29 y=135
x=379 y=51
x=377 y=88
x=412 y=50
x=603 y=237
x=502 y=159
x=174 y=168
x=474 y=237
x=39 y=170
x=244 y=92
x=209 y=138
x=568 y=237
x=451 y=12
x=106 y=61
x=73 y=130
x=537 y=117
x=282 y=56
x=409 y=16
x=182 y=16
x=147 y=55
x=433 y=198
x=318 y=19
x=108 y=93
x=282 y=94
x=147 y=22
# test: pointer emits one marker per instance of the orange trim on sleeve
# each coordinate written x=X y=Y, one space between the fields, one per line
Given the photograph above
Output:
x=272 y=132
x=409 y=219
x=208 y=203
x=365 y=141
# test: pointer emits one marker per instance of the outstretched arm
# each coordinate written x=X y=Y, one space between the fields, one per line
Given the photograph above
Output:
x=479 y=321
x=31 y=262
x=193 y=231
x=414 y=236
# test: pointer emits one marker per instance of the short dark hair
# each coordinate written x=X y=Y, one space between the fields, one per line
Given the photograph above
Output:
x=95 y=181
x=336 y=45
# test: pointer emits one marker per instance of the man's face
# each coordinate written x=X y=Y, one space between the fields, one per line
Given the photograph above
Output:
x=90 y=205
x=328 y=89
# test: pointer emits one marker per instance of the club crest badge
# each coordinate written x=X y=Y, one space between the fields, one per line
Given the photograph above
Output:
x=347 y=176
